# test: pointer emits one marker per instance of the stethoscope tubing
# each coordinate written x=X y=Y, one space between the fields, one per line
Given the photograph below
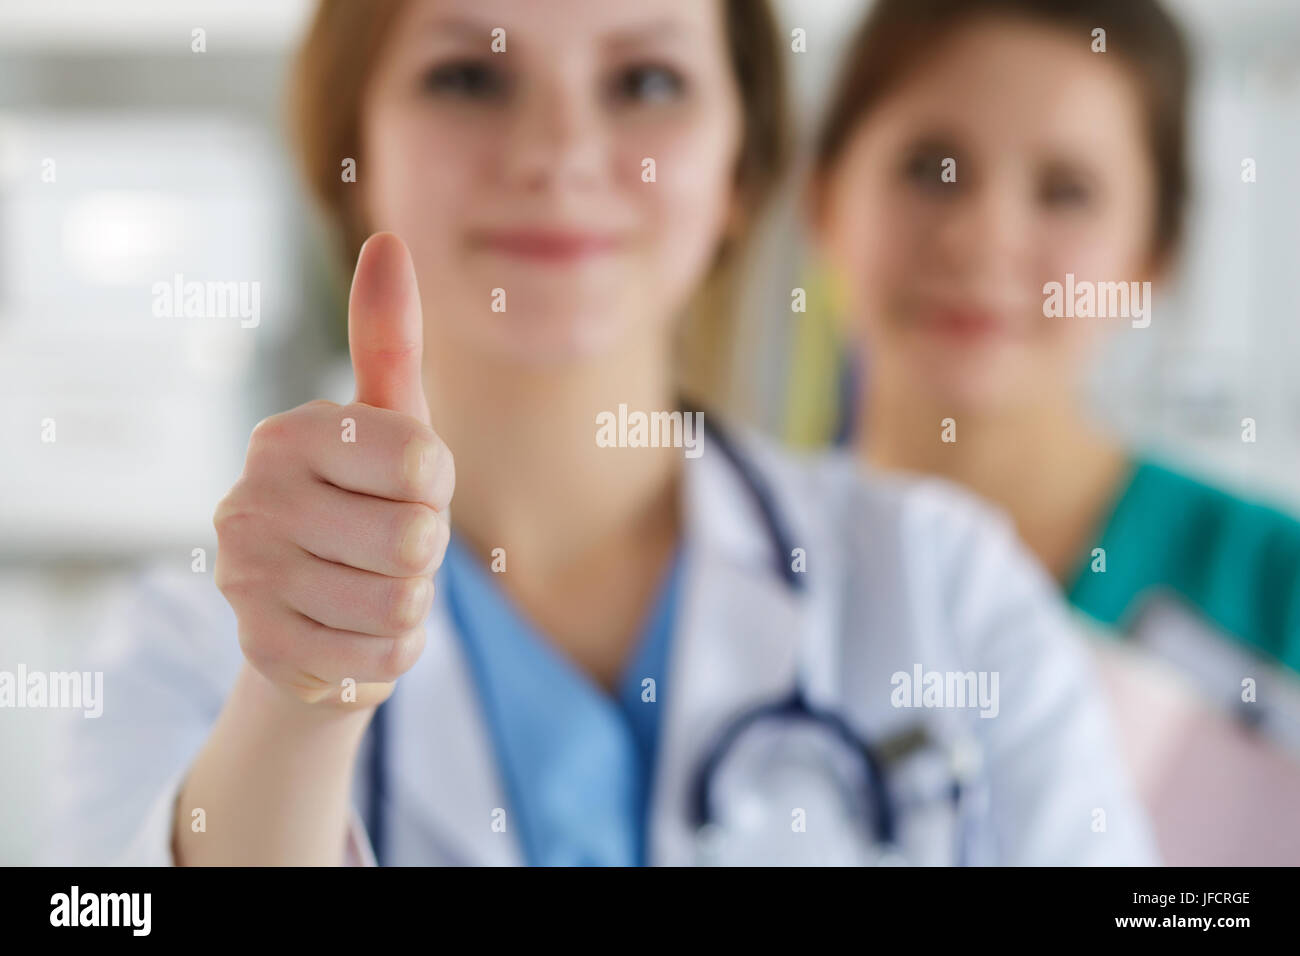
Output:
x=883 y=821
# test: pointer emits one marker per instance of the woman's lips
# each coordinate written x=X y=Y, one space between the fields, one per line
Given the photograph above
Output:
x=963 y=322
x=547 y=245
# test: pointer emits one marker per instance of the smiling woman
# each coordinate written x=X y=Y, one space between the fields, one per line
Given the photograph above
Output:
x=650 y=90
x=964 y=305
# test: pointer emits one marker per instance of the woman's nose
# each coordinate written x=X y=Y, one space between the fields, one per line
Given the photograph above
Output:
x=985 y=227
x=556 y=137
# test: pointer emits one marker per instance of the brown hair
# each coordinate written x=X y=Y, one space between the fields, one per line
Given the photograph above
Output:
x=338 y=54
x=898 y=33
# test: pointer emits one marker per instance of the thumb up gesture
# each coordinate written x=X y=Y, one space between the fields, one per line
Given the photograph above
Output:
x=328 y=542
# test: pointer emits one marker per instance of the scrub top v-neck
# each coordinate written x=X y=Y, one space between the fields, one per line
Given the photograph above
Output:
x=1235 y=562
x=577 y=763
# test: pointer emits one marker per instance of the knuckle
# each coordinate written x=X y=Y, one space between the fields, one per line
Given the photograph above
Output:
x=234 y=576
x=421 y=462
x=234 y=571
x=225 y=577
x=442 y=543
x=273 y=439
x=408 y=603
x=416 y=540
x=269 y=432
x=444 y=482
x=231 y=516
x=402 y=654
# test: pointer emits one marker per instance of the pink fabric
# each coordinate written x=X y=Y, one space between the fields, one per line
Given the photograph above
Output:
x=1218 y=795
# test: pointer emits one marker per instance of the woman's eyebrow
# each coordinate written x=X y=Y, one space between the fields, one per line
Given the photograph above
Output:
x=932 y=140
x=1069 y=165
x=471 y=29
x=647 y=33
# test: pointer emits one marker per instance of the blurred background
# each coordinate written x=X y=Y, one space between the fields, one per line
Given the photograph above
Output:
x=127 y=159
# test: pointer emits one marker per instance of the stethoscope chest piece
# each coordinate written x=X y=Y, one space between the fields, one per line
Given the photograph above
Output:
x=790 y=786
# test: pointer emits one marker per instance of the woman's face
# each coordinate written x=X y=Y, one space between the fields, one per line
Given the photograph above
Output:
x=1053 y=176
x=586 y=172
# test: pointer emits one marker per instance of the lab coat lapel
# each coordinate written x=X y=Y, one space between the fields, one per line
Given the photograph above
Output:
x=736 y=642
x=443 y=760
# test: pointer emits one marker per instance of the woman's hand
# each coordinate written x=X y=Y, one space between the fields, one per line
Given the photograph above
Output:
x=329 y=539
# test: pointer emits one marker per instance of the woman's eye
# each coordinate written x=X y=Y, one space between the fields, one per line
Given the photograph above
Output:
x=1062 y=192
x=925 y=168
x=648 y=84
x=470 y=79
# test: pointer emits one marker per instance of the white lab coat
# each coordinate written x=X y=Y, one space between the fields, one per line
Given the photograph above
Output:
x=900 y=572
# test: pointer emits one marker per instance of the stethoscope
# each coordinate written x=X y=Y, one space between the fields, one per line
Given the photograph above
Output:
x=866 y=800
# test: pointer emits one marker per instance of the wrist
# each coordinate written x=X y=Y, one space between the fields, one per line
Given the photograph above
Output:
x=287 y=711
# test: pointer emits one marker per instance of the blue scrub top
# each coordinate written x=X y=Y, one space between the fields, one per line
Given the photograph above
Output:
x=576 y=762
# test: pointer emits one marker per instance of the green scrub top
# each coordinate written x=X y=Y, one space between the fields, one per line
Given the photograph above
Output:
x=1234 y=561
